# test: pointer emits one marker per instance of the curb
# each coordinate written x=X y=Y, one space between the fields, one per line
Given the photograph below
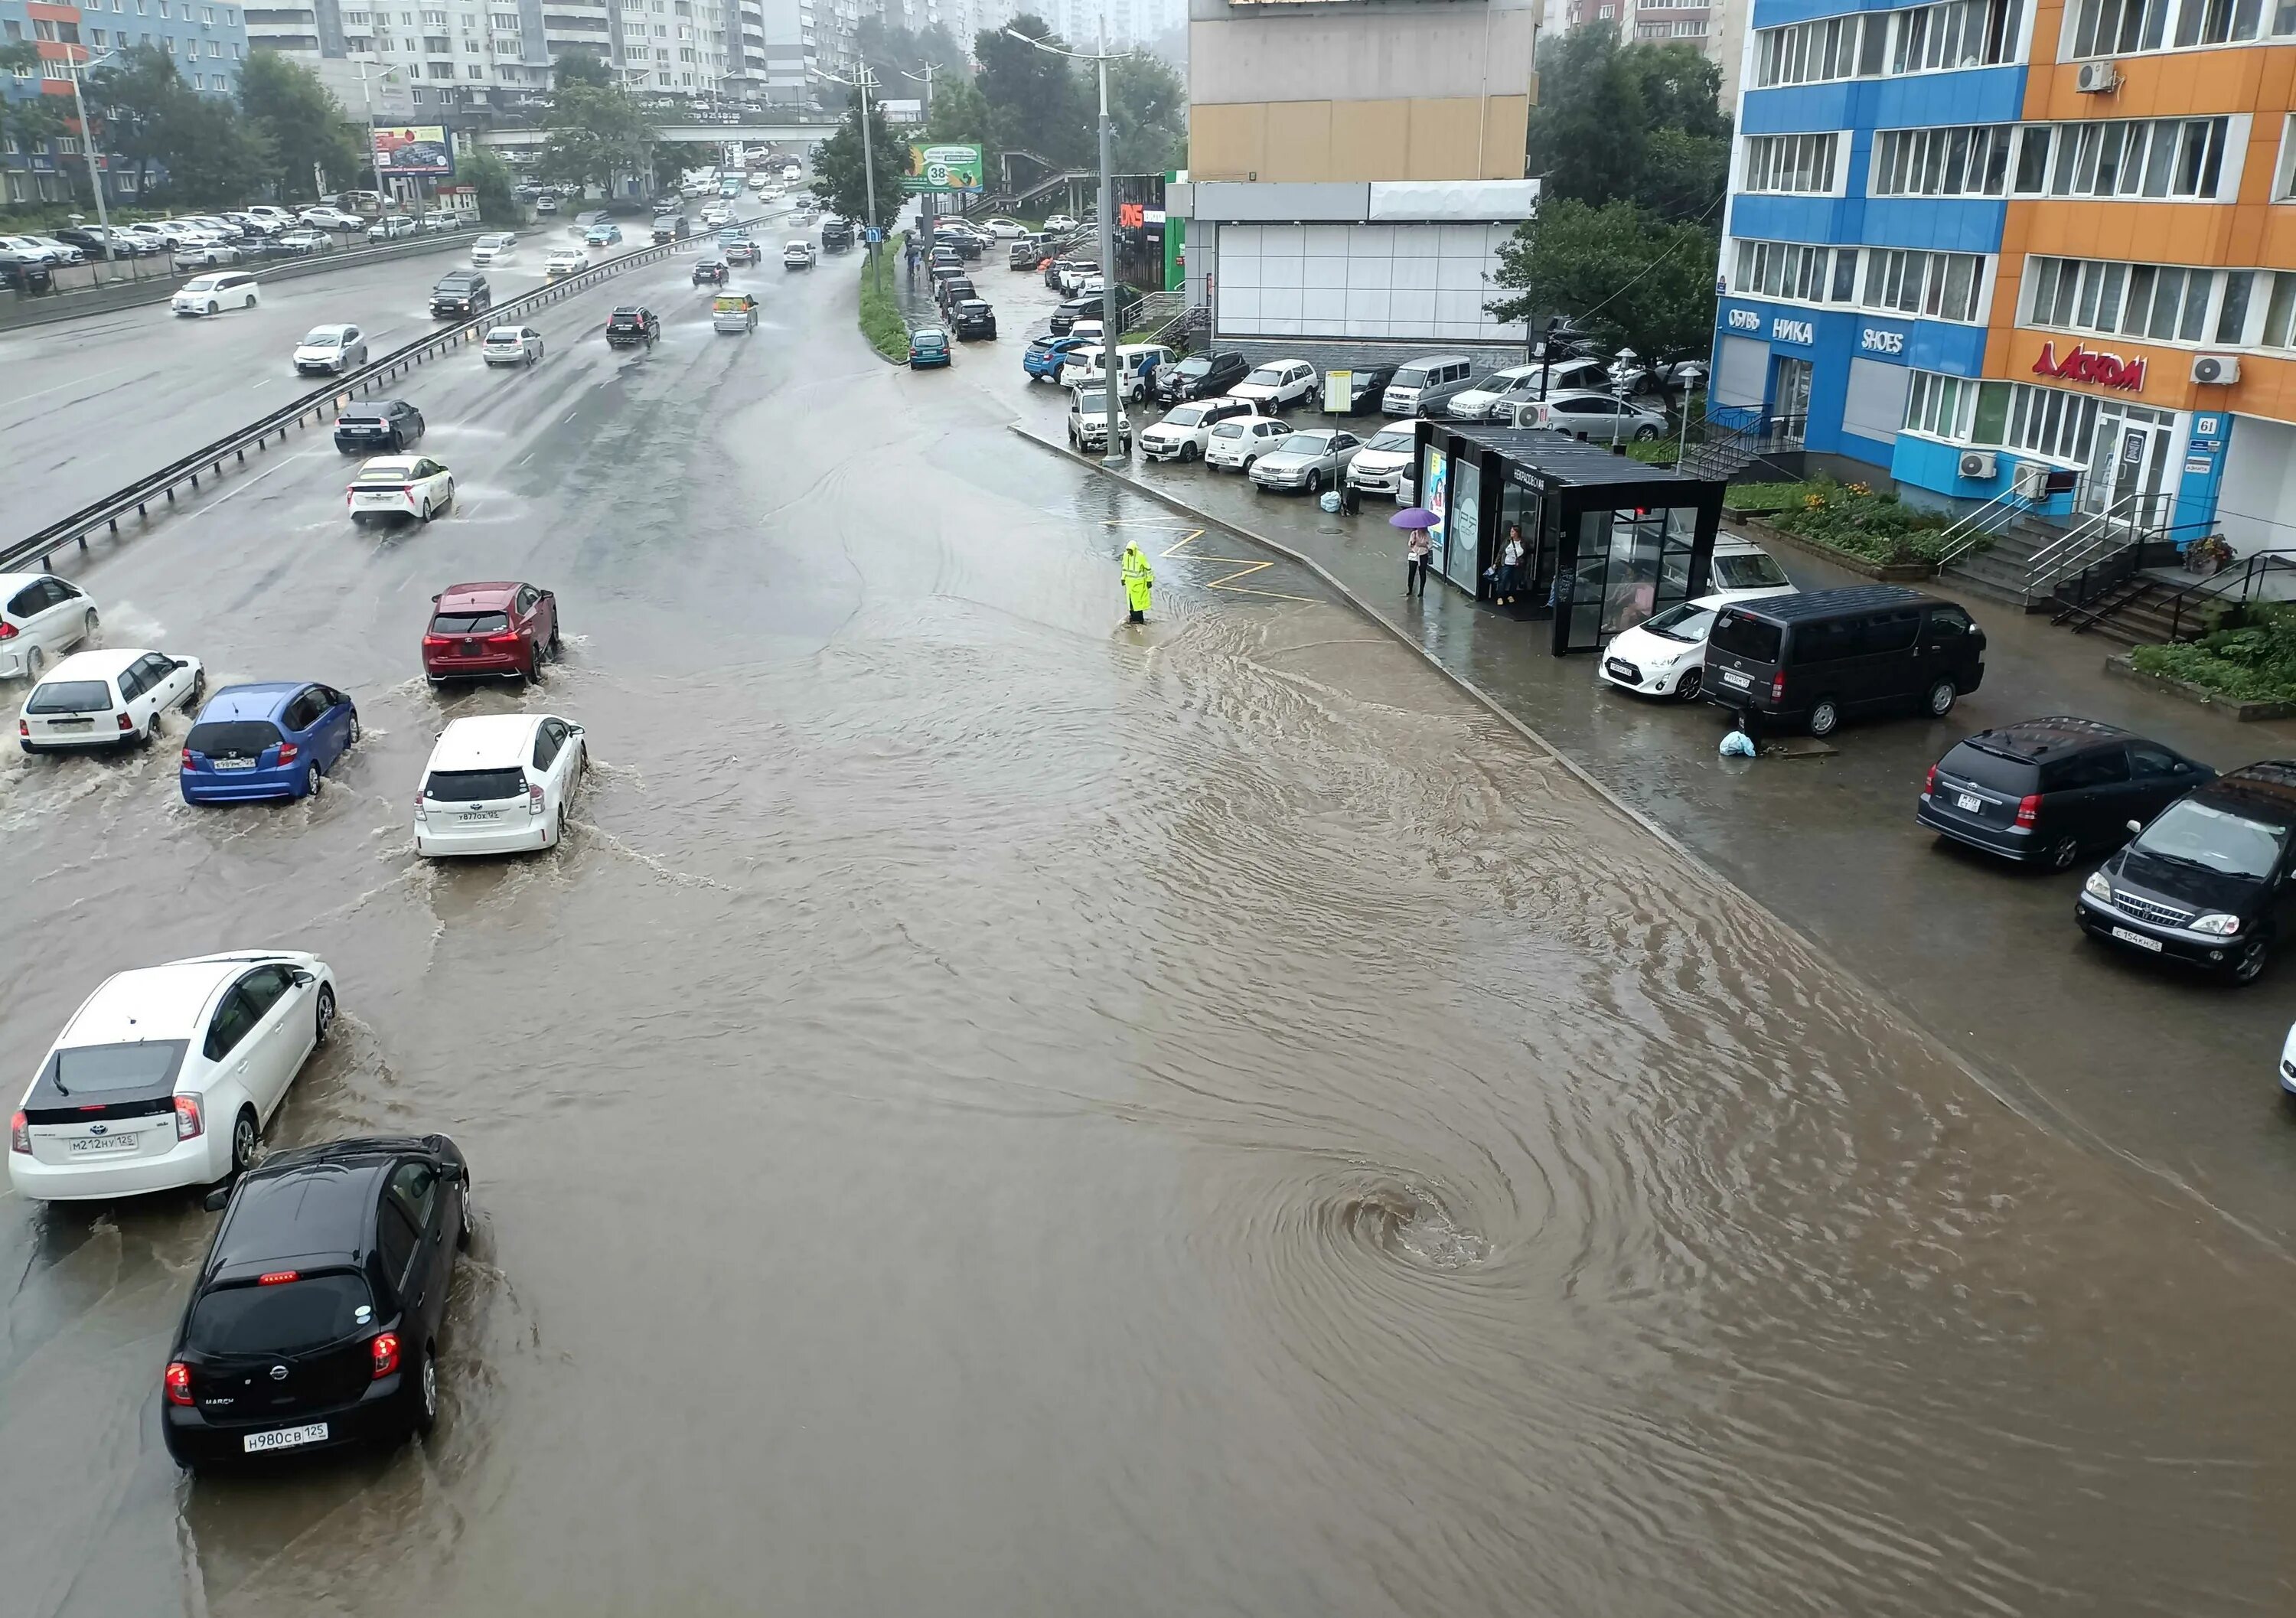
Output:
x=2121 y=668
x=2035 y=1110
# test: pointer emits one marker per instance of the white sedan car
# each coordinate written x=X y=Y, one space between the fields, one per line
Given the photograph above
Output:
x=1311 y=460
x=512 y=345
x=565 y=261
x=1598 y=415
x=334 y=349
x=1383 y=462
x=1665 y=654
x=41 y=616
x=165 y=1075
x=213 y=294
x=1277 y=383
x=498 y=784
x=101 y=699
x=399 y=486
x=207 y=251
x=1239 y=442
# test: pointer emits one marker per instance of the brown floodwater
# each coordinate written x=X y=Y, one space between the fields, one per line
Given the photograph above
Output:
x=996 y=1112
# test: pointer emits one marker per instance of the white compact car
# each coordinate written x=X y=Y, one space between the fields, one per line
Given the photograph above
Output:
x=1239 y=443
x=207 y=252
x=165 y=1075
x=1186 y=429
x=1060 y=222
x=1601 y=418
x=1383 y=462
x=332 y=218
x=565 y=261
x=1495 y=396
x=334 y=349
x=498 y=784
x=1665 y=654
x=213 y=294
x=1277 y=383
x=101 y=699
x=797 y=255
x=399 y=486
x=512 y=345
x=1743 y=570
x=41 y=617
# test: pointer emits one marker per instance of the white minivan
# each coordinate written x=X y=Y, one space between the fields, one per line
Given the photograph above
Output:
x=1135 y=361
x=213 y=294
x=498 y=784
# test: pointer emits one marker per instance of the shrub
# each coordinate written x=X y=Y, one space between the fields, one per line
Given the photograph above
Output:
x=2254 y=661
x=881 y=322
x=1851 y=517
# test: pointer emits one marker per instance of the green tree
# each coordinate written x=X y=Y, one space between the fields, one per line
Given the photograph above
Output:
x=838 y=174
x=1147 y=115
x=960 y=113
x=211 y=153
x=1638 y=122
x=580 y=67
x=492 y=177
x=672 y=159
x=135 y=94
x=1613 y=272
x=593 y=134
x=301 y=120
x=35 y=120
x=1036 y=101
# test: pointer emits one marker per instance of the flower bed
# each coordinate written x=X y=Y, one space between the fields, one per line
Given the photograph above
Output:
x=2252 y=661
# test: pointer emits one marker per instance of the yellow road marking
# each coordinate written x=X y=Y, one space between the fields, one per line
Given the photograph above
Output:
x=1244 y=568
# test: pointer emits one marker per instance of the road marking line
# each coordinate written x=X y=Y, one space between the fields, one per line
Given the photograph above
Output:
x=1244 y=568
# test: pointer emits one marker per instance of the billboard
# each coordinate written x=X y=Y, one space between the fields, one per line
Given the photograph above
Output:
x=411 y=150
x=942 y=168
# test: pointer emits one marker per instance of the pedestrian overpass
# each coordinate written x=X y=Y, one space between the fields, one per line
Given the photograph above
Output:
x=762 y=133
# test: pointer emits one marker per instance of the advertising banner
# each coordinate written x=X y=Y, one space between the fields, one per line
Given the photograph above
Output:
x=408 y=151
x=941 y=168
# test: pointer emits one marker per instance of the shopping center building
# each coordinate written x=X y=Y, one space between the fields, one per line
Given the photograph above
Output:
x=1969 y=237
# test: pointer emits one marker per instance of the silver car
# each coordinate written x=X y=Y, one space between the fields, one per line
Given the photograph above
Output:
x=1307 y=460
x=1597 y=416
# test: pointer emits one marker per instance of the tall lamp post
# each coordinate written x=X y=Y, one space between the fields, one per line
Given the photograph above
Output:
x=87 y=149
x=1108 y=327
x=862 y=81
x=374 y=159
x=928 y=205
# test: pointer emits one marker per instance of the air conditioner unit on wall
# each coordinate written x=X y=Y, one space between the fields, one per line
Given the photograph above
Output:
x=2097 y=78
x=2219 y=369
x=2029 y=481
x=1977 y=463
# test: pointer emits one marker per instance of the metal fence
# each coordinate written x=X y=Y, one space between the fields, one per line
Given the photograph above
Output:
x=136 y=500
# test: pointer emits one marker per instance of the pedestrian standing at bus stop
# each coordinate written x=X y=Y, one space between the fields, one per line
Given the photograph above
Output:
x=1139 y=580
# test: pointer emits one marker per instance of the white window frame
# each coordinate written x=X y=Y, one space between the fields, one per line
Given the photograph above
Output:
x=2268 y=21
x=1782 y=153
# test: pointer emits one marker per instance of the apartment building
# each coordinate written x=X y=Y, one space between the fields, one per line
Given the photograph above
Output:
x=207 y=42
x=1354 y=168
x=1715 y=28
x=1969 y=238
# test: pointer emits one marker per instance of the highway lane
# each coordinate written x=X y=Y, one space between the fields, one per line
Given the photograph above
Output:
x=94 y=403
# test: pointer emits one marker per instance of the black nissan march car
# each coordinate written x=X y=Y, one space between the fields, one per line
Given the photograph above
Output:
x=314 y=1319
x=2208 y=881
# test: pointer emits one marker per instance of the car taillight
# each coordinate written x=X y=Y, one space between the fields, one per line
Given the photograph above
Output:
x=178 y=1382
x=23 y=727
x=7 y=629
x=20 y=1135
x=190 y=1122
x=125 y=723
x=287 y=751
x=2028 y=808
x=188 y=763
x=534 y=797
x=385 y=1349
x=1928 y=782
x=1778 y=686
x=276 y=1277
x=502 y=643
x=430 y=641
x=420 y=814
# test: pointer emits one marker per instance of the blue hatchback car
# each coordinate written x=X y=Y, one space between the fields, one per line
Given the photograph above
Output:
x=1045 y=355
x=275 y=740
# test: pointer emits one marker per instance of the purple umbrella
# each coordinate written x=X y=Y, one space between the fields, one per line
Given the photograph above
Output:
x=1413 y=516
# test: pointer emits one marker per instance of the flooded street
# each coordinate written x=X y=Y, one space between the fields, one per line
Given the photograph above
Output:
x=992 y=1112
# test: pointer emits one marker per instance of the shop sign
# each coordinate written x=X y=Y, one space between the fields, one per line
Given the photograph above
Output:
x=2083 y=365
x=1874 y=340
x=1746 y=320
x=1803 y=332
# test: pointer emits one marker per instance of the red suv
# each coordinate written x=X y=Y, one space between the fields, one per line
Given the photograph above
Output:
x=490 y=631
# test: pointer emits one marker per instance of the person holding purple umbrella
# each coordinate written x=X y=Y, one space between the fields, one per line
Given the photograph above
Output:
x=1417 y=548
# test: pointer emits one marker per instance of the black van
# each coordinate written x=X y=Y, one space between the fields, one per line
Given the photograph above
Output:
x=1814 y=659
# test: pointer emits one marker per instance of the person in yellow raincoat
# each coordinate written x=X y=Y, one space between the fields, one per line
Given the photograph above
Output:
x=1139 y=579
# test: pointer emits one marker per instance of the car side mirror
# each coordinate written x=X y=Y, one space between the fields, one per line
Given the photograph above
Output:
x=214 y=1201
x=303 y=980
x=2136 y=825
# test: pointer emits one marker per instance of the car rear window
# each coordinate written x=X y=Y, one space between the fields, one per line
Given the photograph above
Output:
x=285 y=1317
x=1997 y=771
x=232 y=738
x=363 y=415
x=470 y=623
x=474 y=786
x=93 y=1070
x=1747 y=571
x=71 y=696
x=1742 y=635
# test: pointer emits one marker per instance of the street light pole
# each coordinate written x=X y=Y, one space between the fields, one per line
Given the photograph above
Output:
x=87 y=149
x=861 y=82
x=1108 y=327
x=928 y=204
x=374 y=159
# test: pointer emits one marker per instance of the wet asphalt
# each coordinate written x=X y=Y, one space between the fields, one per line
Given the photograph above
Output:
x=997 y=1111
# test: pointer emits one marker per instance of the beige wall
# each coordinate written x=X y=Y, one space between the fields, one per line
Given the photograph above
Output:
x=1406 y=52
x=1451 y=138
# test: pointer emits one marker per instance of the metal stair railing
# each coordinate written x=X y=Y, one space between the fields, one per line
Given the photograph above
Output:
x=2093 y=595
x=1735 y=448
x=2124 y=521
x=1984 y=523
x=2248 y=581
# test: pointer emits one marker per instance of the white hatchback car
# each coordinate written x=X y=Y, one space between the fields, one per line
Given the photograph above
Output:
x=1384 y=461
x=165 y=1075
x=1665 y=654
x=399 y=486
x=1277 y=383
x=1238 y=444
x=512 y=345
x=335 y=349
x=797 y=255
x=41 y=617
x=101 y=698
x=213 y=294
x=498 y=784
x=565 y=261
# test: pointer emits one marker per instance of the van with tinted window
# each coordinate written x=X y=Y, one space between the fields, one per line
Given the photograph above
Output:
x=1424 y=386
x=1812 y=660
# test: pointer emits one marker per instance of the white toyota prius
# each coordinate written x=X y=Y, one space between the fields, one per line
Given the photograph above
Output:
x=165 y=1075
x=498 y=784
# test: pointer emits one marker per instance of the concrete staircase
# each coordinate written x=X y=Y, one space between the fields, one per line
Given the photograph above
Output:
x=2138 y=612
x=2001 y=569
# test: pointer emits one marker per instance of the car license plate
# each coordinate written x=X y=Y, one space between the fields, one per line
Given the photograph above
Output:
x=1970 y=801
x=1731 y=677
x=2137 y=938
x=234 y=764
x=373 y=499
x=1623 y=671
x=71 y=724
x=286 y=1438
x=469 y=815
x=103 y=1142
